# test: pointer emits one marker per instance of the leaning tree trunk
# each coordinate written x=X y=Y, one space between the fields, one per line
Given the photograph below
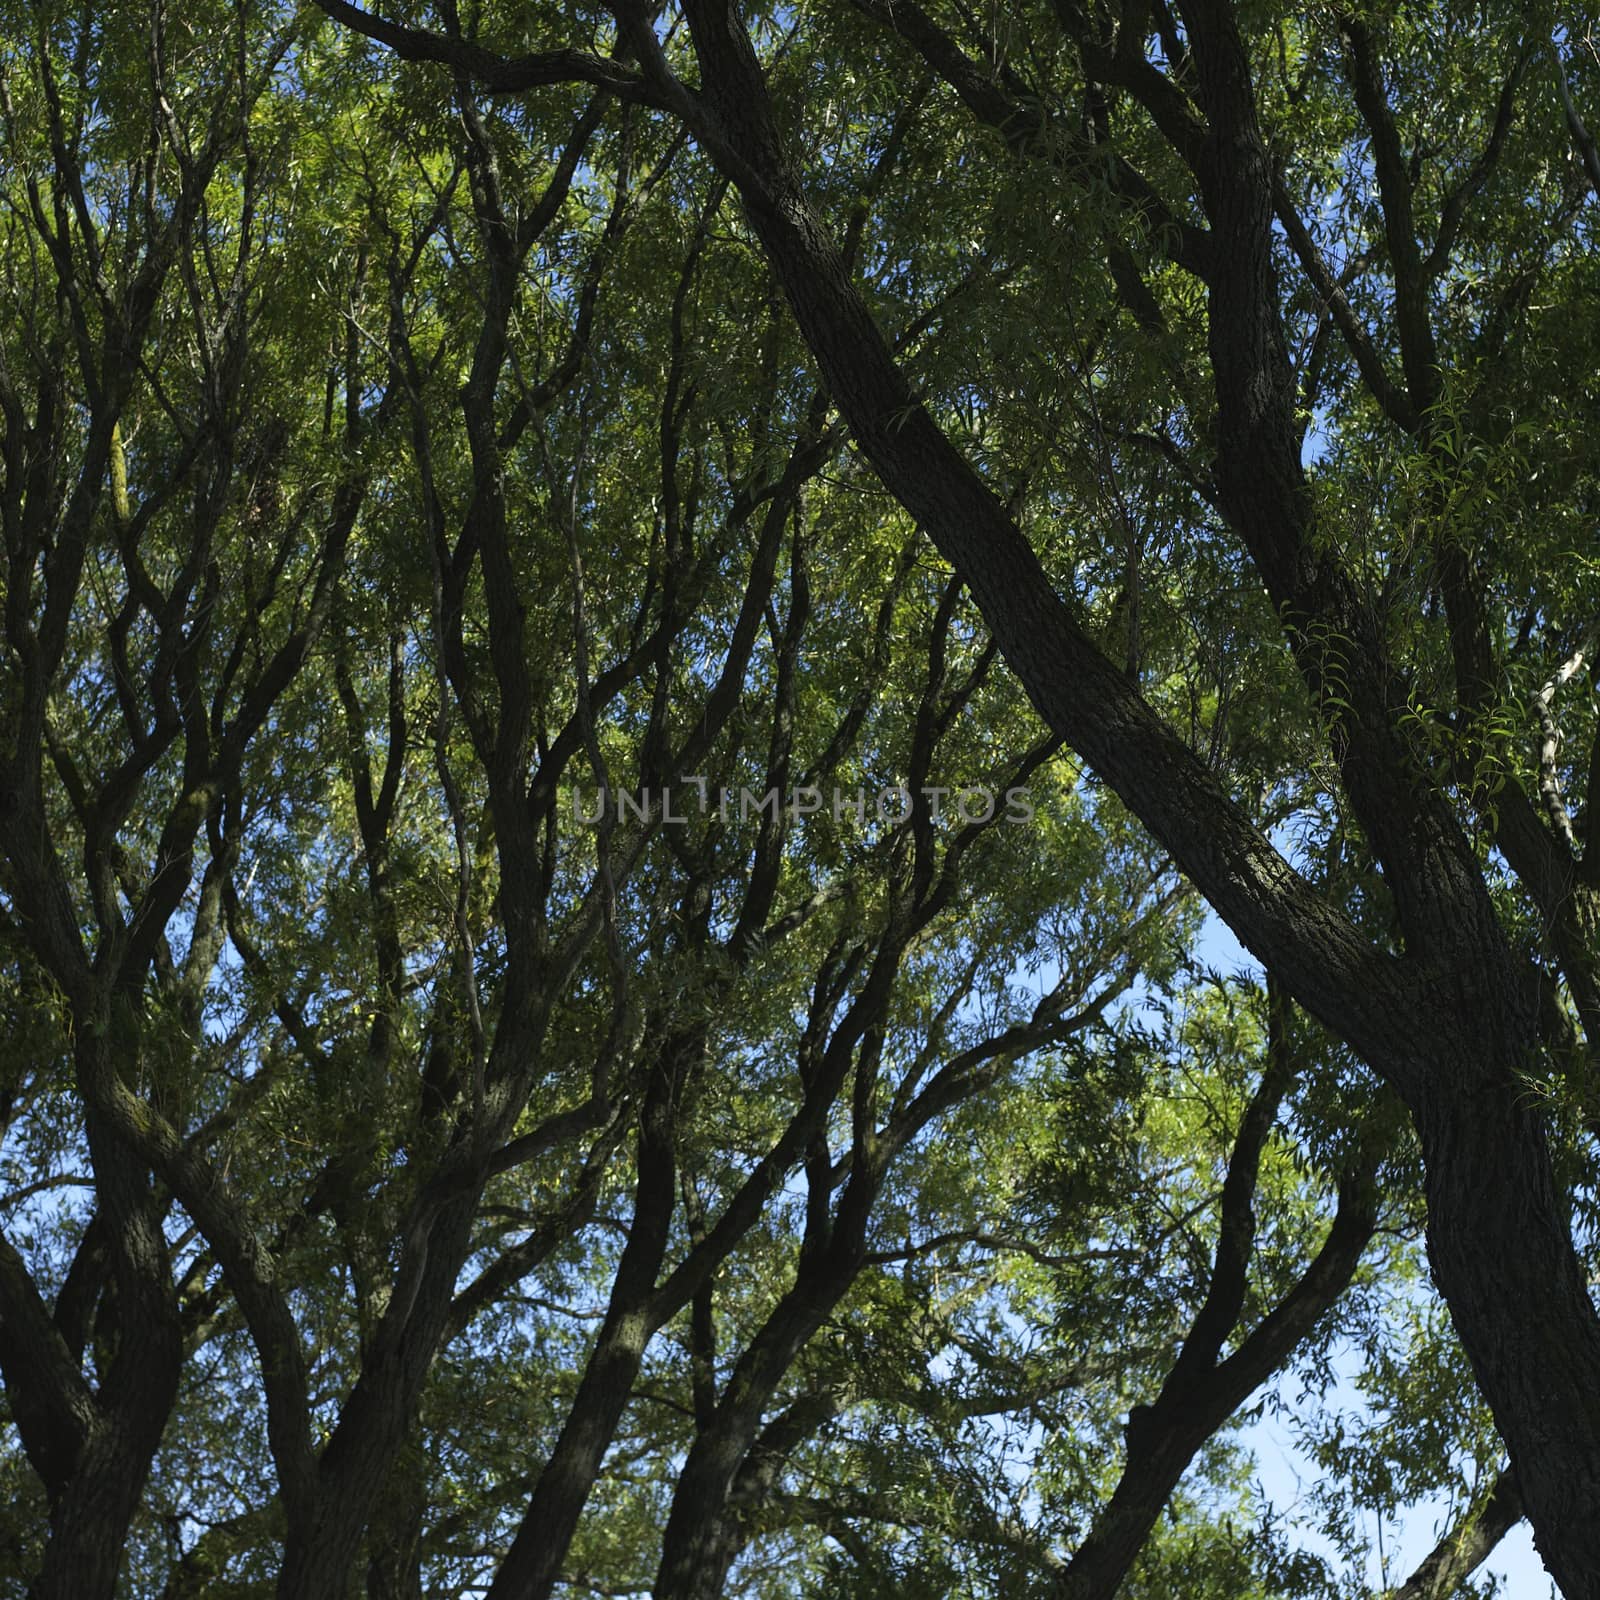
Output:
x=1502 y=1257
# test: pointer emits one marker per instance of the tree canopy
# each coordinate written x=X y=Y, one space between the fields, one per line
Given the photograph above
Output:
x=635 y=641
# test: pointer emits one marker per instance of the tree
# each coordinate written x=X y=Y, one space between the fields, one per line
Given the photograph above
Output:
x=1447 y=1008
x=530 y=1072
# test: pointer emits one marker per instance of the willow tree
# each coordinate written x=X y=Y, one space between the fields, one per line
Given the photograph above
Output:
x=570 y=1026
x=1358 y=234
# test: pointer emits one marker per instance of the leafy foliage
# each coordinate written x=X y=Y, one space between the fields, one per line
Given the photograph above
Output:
x=571 y=1026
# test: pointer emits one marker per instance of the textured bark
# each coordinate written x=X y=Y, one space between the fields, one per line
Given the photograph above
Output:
x=93 y=1505
x=1501 y=1255
x=394 y=1569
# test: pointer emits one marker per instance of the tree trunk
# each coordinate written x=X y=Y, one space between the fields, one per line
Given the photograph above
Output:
x=90 y=1517
x=1502 y=1257
x=89 y=1527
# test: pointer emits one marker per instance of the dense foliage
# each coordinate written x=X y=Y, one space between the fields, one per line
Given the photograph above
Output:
x=630 y=638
